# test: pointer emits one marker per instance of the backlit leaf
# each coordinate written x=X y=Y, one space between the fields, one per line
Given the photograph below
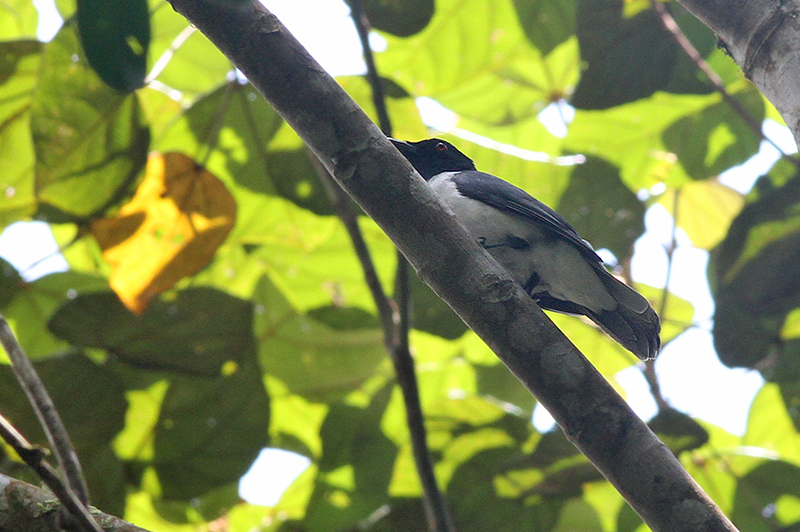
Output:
x=90 y=140
x=180 y=215
x=115 y=37
x=705 y=210
x=19 y=66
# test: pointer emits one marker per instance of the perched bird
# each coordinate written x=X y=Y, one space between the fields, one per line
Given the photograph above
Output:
x=538 y=247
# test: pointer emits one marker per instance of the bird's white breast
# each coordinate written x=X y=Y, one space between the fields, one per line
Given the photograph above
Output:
x=563 y=272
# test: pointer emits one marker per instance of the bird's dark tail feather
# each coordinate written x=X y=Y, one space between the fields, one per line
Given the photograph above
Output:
x=634 y=323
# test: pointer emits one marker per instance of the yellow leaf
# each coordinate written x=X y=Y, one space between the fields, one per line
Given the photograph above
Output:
x=705 y=210
x=171 y=229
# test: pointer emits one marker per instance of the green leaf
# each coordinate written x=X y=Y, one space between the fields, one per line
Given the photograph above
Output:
x=18 y=20
x=200 y=331
x=629 y=57
x=477 y=505
x=577 y=514
x=90 y=140
x=209 y=432
x=402 y=109
x=115 y=38
x=87 y=396
x=245 y=143
x=10 y=283
x=679 y=431
x=770 y=427
x=312 y=359
x=760 y=488
x=630 y=137
x=717 y=138
x=474 y=59
x=547 y=23
x=34 y=304
x=602 y=209
x=752 y=301
x=399 y=17
x=355 y=467
x=19 y=67
x=431 y=314
x=191 y=64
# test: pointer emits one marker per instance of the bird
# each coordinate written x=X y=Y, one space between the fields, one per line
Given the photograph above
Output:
x=537 y=246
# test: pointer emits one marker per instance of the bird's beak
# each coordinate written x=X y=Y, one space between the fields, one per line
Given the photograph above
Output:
x=402 y=146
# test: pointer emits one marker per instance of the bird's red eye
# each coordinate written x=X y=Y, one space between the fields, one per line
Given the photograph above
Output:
x=441 y=146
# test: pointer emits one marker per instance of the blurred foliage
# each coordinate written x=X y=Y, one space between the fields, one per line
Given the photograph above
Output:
x=269 y=337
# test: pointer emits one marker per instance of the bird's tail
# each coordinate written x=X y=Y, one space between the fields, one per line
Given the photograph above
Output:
x=634 y=323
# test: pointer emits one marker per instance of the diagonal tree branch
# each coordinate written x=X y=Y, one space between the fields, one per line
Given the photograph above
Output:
x=46 y=412
x=593 y=416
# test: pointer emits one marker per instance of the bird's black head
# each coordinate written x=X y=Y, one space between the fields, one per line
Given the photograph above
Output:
x=433 y=156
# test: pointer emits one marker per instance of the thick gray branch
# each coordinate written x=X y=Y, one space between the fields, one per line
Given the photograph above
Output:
x=592 y=415
x=26 y=508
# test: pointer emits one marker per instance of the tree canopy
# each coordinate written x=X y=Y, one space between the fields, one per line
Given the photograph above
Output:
x=214 y=305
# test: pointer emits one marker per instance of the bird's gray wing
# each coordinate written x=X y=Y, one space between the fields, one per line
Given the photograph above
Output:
x=503 y=195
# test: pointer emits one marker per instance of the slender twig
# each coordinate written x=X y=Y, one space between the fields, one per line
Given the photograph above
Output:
x=35 y=457
x=378 y=95
x=166 y=57
x=45 y=411
x=341 y=204
x=650 y=366
x=672 y=27
x=439 y=518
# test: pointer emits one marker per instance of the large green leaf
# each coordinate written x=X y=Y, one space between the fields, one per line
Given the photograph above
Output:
x=705 y=210
x=474 y=58
x=770 y=424
x=628 y=57
x=209 y=432
x=602 y=209
x=717 y=138
x=547 y=23
x=312 y=359
x=34 y=303
x=630 y=136
x=484 y=497
x=18 y=19
x=761 y=492
x=752 y=298
x=356 y=465
x=399 y=17
x=244 y=142
x=200 y=331
x=90 y=140
x=115 y=38
x=19 y=65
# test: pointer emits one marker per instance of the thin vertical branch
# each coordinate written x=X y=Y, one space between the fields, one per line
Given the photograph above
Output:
x=650 y=366
x=397 y=325
x=46 y=412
